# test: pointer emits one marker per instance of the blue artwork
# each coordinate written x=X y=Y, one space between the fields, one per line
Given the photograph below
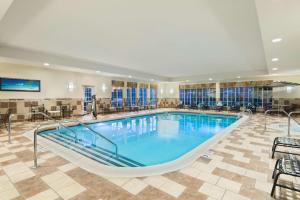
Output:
x=11 y=84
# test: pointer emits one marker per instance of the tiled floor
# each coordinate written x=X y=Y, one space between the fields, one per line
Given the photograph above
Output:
x=238 y=168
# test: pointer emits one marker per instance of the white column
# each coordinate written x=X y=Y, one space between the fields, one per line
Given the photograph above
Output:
x=218 y=91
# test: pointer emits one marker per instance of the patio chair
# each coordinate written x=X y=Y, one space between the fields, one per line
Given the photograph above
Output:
x=285 y=142
x=235 y=107
x=193 y=106
x=204 y=106
x=219 y=106
x=251 y=107
x=4 y=118
x=288 y=165
x=180 y=105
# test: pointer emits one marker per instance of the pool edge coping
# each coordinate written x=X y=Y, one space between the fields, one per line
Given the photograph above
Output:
x=112 y=171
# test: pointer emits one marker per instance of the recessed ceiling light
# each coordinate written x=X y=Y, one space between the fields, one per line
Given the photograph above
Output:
x=238 y=77
x=275 y=69
x=276 y=40
x=46 y=64
x=210 y=79
x=129 y=76
x=275 y=59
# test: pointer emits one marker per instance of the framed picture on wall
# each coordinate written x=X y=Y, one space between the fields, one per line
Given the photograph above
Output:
x=21 y=85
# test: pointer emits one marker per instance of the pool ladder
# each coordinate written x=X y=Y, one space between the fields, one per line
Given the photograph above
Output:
x=60 y=123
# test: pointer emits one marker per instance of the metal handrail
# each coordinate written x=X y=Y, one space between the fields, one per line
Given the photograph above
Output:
x=273 y=110
x=97 y=133
x=37 y=130
x=61 y=123
x=289 y=120
x=249 y=111
x=9 y=127
x=289 y=115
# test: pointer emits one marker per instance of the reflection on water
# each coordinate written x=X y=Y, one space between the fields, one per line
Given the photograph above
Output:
x=154 y=139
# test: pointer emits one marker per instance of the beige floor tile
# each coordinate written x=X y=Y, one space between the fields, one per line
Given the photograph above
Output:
x=9 y=194
x=67 y=167
x=212 y=191
x=22 y=176
x=256 y=175
x=233 y=196
x=209 y=178
x=7 y=158
x=172 y=188
x=70 y=191
x=203 y=167
x=155 y=181
x=190 y=171
x=45 y=195
x=263 y=186
x=119 y=181
x=15 y=150
x=134 y=186
x=18 y=172
x=229 y=185
x=64 y=185
x=3 y=150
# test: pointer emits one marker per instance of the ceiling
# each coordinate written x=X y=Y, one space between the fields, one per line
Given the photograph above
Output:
x=168 y=40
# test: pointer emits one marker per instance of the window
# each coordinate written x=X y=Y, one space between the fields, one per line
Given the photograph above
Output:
x=258 y=96
x=87 y=92
x=131 y=96
x=143 y=96
x=198 y=96
x=117 y=97
x=153 y=96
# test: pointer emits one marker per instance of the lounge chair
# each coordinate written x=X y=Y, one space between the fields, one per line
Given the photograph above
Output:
x=235 y=107
x=180 y=105
x=204 y=106
x=288 y=165
x=251 y=107
x=193 y=106
x=285 y=142
x=219 y=106
x=4 y=118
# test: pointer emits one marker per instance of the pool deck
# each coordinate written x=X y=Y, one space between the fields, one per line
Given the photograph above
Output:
x=238 y=168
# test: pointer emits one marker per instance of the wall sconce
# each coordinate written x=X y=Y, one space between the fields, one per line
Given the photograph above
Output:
x=289 y=89
x=161 y=91
x=104 y=88
x=71 y=86
x=171 y=91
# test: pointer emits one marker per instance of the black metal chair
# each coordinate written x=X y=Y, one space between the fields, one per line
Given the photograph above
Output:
x=180 y=105
x=285 y=142
x=251 y=107
x=204 y=106
x=288 y=165
x=235 y=107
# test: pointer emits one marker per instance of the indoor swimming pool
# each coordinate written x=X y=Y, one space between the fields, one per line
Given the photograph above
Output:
x=142 y=140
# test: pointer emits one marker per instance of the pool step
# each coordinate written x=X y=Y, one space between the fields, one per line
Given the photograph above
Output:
x=96 y=153
x=102 y=151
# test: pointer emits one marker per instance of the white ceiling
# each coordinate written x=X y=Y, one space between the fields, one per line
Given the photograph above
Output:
x=4 y=5
x=280 y=19
x=160 y=39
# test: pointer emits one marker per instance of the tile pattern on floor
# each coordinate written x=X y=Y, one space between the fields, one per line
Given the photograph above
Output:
x=237 y=168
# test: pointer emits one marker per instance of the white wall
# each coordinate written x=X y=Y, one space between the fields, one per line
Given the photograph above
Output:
x=168 y=90
x=54 y=83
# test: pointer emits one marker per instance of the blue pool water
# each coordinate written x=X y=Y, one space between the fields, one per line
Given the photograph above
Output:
x=152 y=139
